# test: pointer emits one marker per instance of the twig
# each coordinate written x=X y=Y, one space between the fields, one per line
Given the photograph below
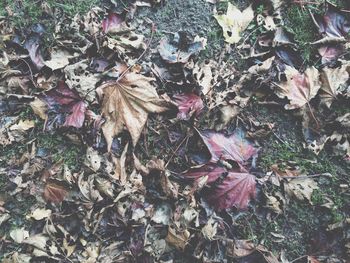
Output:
x=177 y=148
x=31 y=73
x=306 y=176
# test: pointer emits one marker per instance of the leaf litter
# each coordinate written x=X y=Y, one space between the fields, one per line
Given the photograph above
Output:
x=170 y=158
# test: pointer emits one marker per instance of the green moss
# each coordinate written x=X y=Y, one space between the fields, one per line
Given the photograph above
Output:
x=299 y=22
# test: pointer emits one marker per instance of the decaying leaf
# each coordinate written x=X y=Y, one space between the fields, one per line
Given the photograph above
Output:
x=19 y=234
x=234 y=22
x=180 y=48
x=210 y=171
x=128 y=102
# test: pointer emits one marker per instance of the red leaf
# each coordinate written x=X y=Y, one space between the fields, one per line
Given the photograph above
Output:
x=236 y=190
x=112 y=22
x=188 y=104
x=54 y=193
x=211 y=170
x=233 y=147
x=66 y=102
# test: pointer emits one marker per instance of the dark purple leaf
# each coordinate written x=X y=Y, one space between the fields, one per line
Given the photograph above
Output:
x=237 y=189
x=32 y=44
x=66 y=103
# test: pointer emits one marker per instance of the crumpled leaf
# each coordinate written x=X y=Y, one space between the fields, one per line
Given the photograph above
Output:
x=66 y=104
x=299 y=88
x=180 y=48
x=237 y=189
x=233 y=147
x=177 y=238
x=333 y=83
x=188 y=104
x=127 y=102
x=234 y=22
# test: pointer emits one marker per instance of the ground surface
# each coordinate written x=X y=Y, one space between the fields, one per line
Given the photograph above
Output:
x=301 y=229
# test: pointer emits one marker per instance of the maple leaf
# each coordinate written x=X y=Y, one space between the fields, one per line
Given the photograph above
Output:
x=66 y=104
x=127 y=102
x=54 y=193
x=236 y=189
x=299 y=88
x=233 y=147
x=332 y=80
x=188 y=104
x=234 y=22
x=211 y=170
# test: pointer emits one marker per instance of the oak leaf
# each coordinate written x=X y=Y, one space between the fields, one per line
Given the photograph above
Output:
x=127 y=102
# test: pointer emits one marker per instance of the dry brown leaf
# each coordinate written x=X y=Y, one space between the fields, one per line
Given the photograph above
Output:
x=178 y=239
x=54 y=193
x=299 y=88
x=128 y=102
x=332 y=80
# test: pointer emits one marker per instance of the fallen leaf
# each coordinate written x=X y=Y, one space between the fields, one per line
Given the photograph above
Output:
x=40 y=213
x=113 y=23
x=188 y=104
x=301 y=188
x=211 y=171
x=54 y=193
x=32 y=44
x=180 y=48
x=19 y=234
x=128 y=102
x=237 y=189
x=234 y=22
x=299 y=88
x=59 y=59
x=333 y=83
x=177 y=238
x=66 y=104
x=233 y=147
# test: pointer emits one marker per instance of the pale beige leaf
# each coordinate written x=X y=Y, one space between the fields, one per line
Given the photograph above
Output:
x=299 y=88
x=127 y=103
x=19 y=234
x=40 y=213
x=234 y=22
x=332 y=79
